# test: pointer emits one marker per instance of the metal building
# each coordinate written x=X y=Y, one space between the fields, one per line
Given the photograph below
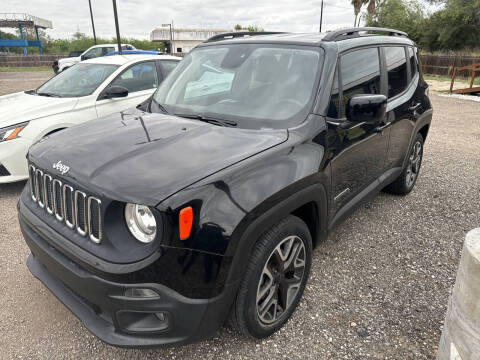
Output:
x=17 y=20
x=182 y=40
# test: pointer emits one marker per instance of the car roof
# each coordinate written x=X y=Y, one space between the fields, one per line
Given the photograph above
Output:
x=124 y=59
x=108 y=45
x=314 y=39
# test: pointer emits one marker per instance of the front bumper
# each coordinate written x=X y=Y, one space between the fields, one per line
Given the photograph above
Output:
x=103 y=307
x=13 y=158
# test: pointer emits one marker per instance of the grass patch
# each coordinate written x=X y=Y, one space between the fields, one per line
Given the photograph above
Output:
x=449 y=79
x=22 y=69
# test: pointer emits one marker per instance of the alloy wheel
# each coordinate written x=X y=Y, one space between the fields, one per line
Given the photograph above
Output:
x=414 y=163
x=280 y=279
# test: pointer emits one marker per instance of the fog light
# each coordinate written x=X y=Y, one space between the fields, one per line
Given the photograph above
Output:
x=137 y=321
x=141 y=293
x=161 y=316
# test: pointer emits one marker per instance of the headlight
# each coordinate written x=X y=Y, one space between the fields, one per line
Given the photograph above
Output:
x=141 y=222
x=11 y=132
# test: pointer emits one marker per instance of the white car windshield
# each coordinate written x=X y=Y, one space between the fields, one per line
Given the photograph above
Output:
x=79 y=80
x=256 y=84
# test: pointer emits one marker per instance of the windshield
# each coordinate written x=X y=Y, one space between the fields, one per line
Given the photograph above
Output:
x=79 y=80
x=257 y=84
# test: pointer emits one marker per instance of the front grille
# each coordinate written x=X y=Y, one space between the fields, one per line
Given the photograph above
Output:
x=78 y=211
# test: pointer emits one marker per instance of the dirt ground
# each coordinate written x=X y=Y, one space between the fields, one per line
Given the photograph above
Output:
x=378 y=289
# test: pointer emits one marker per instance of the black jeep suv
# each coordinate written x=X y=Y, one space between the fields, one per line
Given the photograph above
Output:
x=203 y=204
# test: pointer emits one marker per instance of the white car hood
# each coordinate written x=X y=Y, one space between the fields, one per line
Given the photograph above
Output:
x=69 y=60
x=19 y=107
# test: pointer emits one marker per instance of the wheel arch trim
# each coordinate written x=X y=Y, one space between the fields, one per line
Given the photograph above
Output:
x=314 y=193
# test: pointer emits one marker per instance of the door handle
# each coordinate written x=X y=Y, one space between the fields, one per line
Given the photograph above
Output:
x=383 y=127
x=414 y=107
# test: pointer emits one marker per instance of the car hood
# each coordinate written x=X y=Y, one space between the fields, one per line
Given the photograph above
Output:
x=145 y=158
x=20 y=107
x=69 y=60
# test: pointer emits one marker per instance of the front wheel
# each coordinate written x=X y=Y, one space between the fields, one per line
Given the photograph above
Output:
x=274 y=280
x=407 y=179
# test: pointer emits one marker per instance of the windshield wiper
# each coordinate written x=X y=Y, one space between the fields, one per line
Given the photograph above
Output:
x=47 y=94
x=160 y=106
x=208 y=119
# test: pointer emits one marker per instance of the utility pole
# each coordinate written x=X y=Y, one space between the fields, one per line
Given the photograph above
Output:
x=93 y=24
x=171 y=37
x=119 y=42
x=321 y=17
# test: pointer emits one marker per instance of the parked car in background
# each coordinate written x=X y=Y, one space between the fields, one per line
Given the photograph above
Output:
x=136 y=52
x=91 y=53
x=86 y=91
x=204 y=203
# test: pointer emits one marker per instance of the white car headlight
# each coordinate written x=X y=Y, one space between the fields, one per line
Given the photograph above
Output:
x=11 y=132
x=141 y=222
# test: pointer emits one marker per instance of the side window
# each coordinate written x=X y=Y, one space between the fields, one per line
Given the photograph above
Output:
x=359 y=74
x=106 y=50
x=93 y=53
x=334 y=99
x=413 y=61
x=397 y=70
x=168 y=66
x=138 y=77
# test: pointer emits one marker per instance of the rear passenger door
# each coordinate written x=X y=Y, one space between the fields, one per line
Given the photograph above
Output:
x=402 y=110
x=140 y=79
x=358 y=150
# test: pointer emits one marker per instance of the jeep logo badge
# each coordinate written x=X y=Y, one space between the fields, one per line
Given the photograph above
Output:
x=60 y=167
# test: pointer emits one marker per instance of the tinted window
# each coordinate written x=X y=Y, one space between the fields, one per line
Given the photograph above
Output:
x=168 y=66
x=334 y=100
x=413 y=62
x=397 y=70
x=360 y=74
x=139 y=77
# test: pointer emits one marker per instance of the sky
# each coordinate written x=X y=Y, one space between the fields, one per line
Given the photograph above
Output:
x=138 y=18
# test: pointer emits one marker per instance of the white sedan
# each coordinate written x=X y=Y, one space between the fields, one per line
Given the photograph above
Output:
x=84 y=92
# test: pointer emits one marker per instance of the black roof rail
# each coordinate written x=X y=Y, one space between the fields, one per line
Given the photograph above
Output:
x=353 y=32
x=239 y=34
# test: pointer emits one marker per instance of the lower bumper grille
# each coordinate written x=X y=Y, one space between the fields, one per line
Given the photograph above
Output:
x=74 y=208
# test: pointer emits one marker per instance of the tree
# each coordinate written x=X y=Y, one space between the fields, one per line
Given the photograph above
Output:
x=357 y=6
x=251 y=28
x=399 y=14
x=455 y=27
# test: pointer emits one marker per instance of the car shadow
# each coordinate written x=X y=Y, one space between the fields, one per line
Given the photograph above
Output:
x=12 y=189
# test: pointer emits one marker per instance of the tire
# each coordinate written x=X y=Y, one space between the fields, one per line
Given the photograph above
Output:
x=254 y=312
x=407 y=179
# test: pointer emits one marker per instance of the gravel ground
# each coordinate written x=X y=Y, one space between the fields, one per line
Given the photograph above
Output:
x=18 y=81
x=378 y=288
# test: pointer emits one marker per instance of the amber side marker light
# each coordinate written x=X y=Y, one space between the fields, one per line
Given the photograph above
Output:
x=185 y=221
x=14 y=133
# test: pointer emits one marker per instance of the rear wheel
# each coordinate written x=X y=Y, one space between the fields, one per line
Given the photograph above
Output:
x=407 y=179
x=274 y=280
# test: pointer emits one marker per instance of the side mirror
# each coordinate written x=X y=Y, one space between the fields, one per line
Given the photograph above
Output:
x=368 y=108
x=83 y=57
x=114 y=92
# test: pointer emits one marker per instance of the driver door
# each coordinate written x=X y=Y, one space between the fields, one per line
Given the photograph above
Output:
x=358 y=150
x=140 y=80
